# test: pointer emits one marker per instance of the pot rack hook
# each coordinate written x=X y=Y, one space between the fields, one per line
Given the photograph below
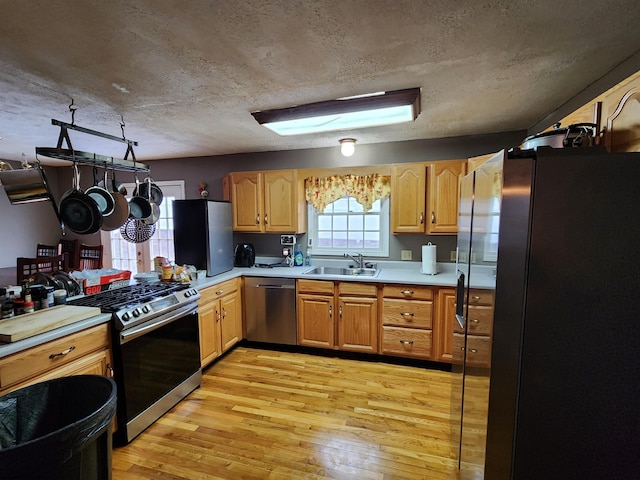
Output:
x=72 y=109
x=122 y=126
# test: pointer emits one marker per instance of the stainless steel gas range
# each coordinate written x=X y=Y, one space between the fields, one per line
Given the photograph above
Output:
x=156 y=349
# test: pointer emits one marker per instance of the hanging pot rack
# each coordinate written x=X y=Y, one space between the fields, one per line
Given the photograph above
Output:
x=87 y=158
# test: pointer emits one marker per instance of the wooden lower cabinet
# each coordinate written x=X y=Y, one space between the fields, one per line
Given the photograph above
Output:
x=85 y=352
x=340 y=315
x=446 y=316
x=220 y=319
x=407 y=321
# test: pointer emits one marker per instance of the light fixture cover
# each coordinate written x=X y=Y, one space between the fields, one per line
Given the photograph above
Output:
x=348 y=113
x=347 y=146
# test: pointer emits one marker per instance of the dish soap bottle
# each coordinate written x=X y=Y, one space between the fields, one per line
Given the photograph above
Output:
x=298 y=259
x=307 y=258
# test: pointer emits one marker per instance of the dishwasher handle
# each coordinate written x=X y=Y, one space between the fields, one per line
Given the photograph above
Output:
x=271 y=285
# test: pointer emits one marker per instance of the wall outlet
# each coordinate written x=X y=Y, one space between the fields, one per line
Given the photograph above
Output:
x=405 y=254
x=452 y=256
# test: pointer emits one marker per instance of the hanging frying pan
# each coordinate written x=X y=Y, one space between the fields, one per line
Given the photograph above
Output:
x=139 y=206
x=79 y=211
x=101 y=195
x=149 y=189
x=121 y=207
x=155 y=209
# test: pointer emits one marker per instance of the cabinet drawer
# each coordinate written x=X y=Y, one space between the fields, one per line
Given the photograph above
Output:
x=315 y=286
x=407 y=313
x=23 y=365
x=480 y=297
x=216 y=291
x=478 y=351
x=406 y=342
x=410 y=292
x=480 y=319
x=360 y=289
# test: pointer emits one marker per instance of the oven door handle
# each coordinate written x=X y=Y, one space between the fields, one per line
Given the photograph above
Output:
x=154 y=324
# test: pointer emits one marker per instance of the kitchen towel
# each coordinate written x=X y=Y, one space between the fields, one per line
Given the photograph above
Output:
x=429 y=259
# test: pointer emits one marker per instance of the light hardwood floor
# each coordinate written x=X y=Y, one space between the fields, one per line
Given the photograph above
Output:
x=263 y=414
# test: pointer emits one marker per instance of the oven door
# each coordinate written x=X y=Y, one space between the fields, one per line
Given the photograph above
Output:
x=159 y=365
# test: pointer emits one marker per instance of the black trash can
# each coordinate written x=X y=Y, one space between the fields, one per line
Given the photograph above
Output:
x=58 y=429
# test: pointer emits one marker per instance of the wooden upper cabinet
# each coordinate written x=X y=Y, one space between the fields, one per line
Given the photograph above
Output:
x=444 y=195
x=622 y=108
x=408 y=198
x=270 y=201
x=247 y=200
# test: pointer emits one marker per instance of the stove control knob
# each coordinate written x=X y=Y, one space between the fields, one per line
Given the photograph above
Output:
x=126 y=316
x=146 y=309
x=136 y=312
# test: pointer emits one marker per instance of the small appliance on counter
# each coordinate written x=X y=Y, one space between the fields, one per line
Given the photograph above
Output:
x=245 y=255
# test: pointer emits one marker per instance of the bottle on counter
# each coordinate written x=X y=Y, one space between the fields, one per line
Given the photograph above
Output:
x=298 y=258
x=307 y=258
x=26 y=292
x=7 y=309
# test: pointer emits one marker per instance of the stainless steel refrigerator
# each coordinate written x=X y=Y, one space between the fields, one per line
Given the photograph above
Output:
x=557 y=393
x=203 y=235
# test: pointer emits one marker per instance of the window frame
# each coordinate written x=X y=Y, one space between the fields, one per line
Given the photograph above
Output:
x=312 y=234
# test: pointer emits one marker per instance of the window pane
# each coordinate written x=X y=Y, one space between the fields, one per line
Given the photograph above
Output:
x=371 y=240
x=372 y=222
x=375 y=207
x=339 y=240
x=324 y=222
x=341 y=205
x=356 y=222
x=339 y=222
x=324 y=239
x=354 y=206
x=328 y=208
x=356 y=240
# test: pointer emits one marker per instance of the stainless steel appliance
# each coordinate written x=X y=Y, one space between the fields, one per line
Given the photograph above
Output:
x=244 y=255
x=203 y=235
x=156 y=349
x=558 y=398
x=270 y=310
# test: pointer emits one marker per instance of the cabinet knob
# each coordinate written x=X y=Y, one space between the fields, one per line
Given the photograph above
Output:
x=109 y=370
x=421 y=218
x=331 y=310
x=340 y=311
x=258 y=220
x=266 y=219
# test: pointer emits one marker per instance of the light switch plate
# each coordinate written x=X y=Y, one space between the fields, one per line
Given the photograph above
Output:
x=405 y=254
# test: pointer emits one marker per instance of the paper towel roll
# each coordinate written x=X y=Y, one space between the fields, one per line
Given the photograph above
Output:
x=429 y=259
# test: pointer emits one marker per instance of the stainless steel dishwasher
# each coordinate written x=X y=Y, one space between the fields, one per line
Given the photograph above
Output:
x=270 y=310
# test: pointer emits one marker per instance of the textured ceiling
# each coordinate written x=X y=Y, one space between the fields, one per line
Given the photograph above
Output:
x=185 y=75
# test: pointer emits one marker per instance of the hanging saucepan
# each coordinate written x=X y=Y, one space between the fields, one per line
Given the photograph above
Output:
x=101 y=195
x=576 y=135
x=136 y=231
x=148 y=188
x=121 y=207
x=155 y=209
x=79 y=211
x=139 y=206
x=115 y=186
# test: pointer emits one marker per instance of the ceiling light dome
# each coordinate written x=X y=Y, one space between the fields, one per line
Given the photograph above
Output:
x=347 y=146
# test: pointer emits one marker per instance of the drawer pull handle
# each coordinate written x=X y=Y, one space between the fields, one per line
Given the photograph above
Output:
x=421 y=218
x=330 y=311
x=217 y=316
x=266 y=219
x=406 y=342
x=406 y=292
x=224 y=312
x=475 y=320
x=219 y=292
x=63 y=353
x=340 y=311
x=433 y=217
x=475 y=297
x=258 y=220
x=109 y=370
x=406 y=314
x=473 y=350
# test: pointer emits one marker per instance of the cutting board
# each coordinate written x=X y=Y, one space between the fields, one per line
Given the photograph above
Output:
x=30 y=324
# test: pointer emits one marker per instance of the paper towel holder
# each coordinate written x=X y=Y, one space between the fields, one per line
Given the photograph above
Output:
x=429 y=263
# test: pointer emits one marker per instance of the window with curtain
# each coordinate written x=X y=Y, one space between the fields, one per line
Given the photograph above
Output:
x=349 y=214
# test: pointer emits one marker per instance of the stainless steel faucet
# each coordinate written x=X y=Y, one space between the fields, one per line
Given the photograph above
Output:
x=359 y=259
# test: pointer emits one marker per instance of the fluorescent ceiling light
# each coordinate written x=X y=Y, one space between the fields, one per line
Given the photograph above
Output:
x=360 y=111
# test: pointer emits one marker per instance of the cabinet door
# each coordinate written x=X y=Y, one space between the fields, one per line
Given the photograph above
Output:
x=280 y=208
x=315 y=321
x=443 y=333
x=358 y=324
x=209 y=320
x=246 y=197
x=444 y=195
x=230 y=321
x=407 y=198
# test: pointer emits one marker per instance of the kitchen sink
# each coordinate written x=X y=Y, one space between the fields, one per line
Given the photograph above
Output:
x=346 y=272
